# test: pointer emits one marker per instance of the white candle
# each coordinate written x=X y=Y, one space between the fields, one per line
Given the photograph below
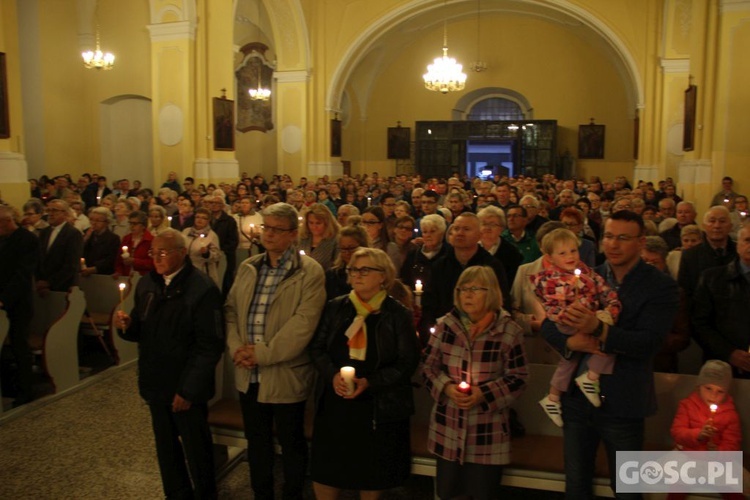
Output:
x=577 y=272
x=369 y=201
x=169 y=218
x=347 y=373
x=125 y=253
x=302 y=252
x=83 y=263
x=713 y=409
x=418 y=286
x=122 y=289
x=464 y=387
x=432 y=330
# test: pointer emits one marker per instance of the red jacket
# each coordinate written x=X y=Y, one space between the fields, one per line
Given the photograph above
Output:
x=142 y=263
x=692 y=415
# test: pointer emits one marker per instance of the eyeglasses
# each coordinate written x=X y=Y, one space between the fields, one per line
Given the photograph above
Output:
x=622 y=238
x=362 y=271
x=405 y=228
x=160 y=254
x=471 y=289
x=348 y=249
x=275 y=230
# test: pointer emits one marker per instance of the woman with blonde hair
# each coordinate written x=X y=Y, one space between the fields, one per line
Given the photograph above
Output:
x=475 y=368
x=317 y=235
x=361 y=435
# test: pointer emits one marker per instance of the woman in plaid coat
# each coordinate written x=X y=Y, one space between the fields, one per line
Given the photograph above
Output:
x=475 y=367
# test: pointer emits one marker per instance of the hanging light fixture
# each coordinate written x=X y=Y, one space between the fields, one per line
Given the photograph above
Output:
x=97 y=59
x=478 y=65
x=261 y=93
x=445 y=74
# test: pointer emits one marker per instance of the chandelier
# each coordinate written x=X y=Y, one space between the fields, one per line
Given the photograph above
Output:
x=97 y=59
x=444 y=74
x=478 y=65
x=261 y=93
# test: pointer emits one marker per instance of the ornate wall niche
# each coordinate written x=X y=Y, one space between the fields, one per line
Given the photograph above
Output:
x=255 y=68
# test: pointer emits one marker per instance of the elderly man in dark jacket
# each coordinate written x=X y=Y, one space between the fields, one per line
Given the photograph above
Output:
x=177 y=321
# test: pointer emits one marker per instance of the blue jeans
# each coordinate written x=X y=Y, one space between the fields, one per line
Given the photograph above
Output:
x=584 y=427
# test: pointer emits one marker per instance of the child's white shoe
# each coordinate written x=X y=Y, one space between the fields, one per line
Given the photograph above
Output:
x=552 y=409
x=589 y=388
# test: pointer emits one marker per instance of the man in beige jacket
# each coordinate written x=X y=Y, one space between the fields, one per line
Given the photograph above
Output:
x=272 y=312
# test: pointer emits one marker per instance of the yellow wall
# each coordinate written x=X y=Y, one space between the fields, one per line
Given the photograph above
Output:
x=562 y=76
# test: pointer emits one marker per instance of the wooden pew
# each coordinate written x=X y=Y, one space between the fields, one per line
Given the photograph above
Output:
x=537 y=458
x=54 y=334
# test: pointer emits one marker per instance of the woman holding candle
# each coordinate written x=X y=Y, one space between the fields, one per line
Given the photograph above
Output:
x=317 y=235
x=248 y=226
x=564 y=280
x=707 y=420
x=474 y=367
x=203 y=245
x=136 y=244
x=361 y=438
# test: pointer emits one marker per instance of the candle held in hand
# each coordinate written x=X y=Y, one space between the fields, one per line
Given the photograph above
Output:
x=83 y=263
x=464 y=387
x=418 y=286
x=122 y=289
x=347 y=373
x=125 y=253
x=577 y=272
x=713 y=409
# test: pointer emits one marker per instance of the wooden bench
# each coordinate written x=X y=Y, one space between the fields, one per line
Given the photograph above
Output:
x=536 y=458
x=54 y=335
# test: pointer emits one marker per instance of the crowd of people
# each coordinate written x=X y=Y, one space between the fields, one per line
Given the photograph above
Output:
x=339 y=287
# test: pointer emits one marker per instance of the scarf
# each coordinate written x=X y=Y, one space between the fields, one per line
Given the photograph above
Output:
x=475 y=329
x=357 y=331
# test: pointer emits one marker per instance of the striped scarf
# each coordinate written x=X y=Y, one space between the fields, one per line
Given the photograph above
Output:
x=357 y=331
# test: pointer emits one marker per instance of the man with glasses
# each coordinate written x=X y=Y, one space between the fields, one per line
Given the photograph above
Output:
x=272 y=311
x=649 y=304
x=100 y=245
x=465 y=252
x=62 y=248
x=517 y=235
x=177 y=322
x=429 y=205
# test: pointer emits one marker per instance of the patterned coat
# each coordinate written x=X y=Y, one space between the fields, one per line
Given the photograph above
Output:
x=558 y=289
x=496 y=362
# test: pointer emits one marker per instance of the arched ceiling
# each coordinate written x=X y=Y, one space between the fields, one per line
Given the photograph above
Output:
x=368 y=55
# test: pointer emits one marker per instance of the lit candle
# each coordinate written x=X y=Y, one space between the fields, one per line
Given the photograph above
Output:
x=432 y=330
x=302 y=252
x=83 y=263
x=418 y=286
x=122 y=289
x=369 y=201
x=743 y=214
x=464 y=387
x=577 y=272
x=169 y=218
x=125 y=253
x=347 y=373
x=713 y=409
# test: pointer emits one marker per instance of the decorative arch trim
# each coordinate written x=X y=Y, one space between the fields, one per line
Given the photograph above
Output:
x=468 y=100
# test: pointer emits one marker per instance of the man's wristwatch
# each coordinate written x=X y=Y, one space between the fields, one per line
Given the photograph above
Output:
x=599 y=330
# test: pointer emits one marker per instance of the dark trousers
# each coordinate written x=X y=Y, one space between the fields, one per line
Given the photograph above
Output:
x=19 y=324
x=192 y=427
x=585 y=426
x=289 y=420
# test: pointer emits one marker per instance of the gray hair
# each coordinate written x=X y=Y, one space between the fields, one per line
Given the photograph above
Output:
x=34 y=204
x=104 y=211
x=492 y=211
x=283 y=211
x=350 y=208
x=157 y=208
x=691 y=229
x=176 y=237
x=435 y=221
x=720 y=208
x=656 y=244
x=530 y=198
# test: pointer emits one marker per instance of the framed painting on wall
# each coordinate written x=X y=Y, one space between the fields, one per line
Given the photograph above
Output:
x=4 y=111
x=591 y=142
x=399 y=143
x=335 y=137
x=688 y=135
x=223 y=124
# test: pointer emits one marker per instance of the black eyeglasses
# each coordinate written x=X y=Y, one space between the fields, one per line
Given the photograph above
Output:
x=274 y=229
x=363 y=271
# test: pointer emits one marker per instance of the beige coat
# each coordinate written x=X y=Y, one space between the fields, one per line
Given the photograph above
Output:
x=285 y=369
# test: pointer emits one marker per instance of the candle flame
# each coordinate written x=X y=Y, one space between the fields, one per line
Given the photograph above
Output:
x=122 y=286
x=577 y=272
x=714 y=408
